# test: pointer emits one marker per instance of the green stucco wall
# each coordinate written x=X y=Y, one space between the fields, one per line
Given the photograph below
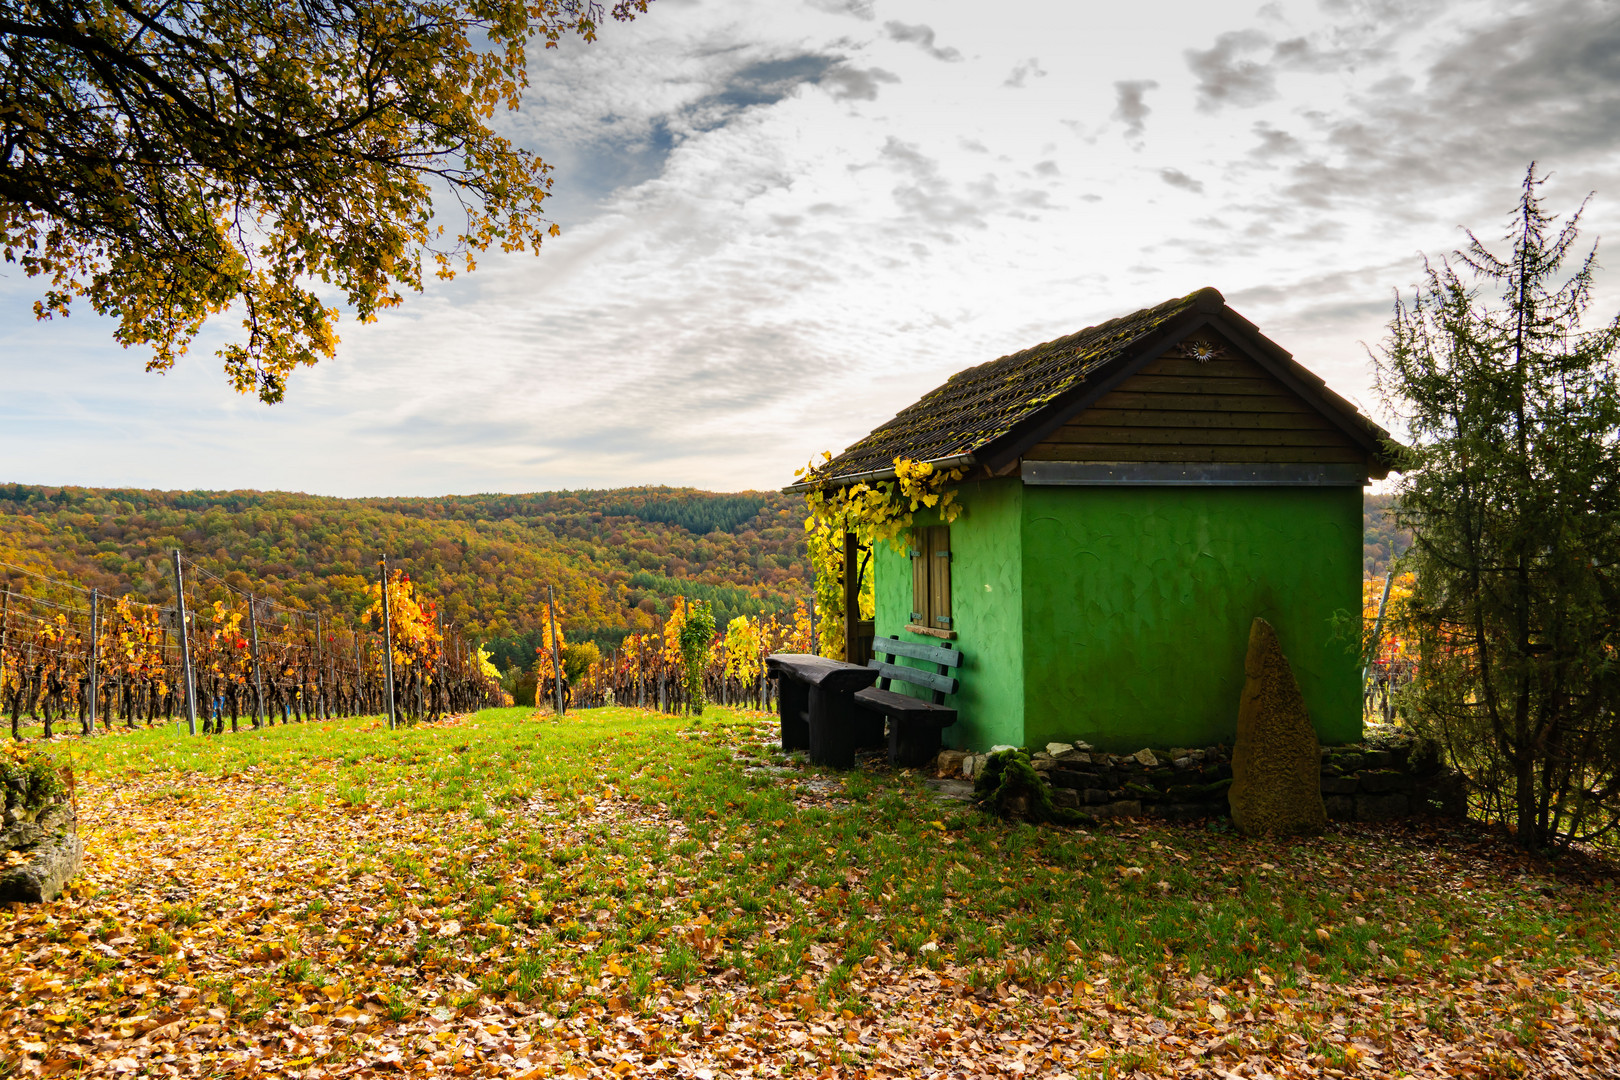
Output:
x=986 y=612
x=1137 y=603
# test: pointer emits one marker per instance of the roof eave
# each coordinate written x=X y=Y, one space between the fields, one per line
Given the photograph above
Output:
x=808 y=484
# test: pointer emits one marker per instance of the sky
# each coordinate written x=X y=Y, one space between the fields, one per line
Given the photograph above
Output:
x=783 y=221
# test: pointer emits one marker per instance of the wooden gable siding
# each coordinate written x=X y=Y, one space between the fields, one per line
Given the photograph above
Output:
x=1227 y=409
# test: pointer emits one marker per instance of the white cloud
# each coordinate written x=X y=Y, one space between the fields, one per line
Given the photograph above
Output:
x=782 y=225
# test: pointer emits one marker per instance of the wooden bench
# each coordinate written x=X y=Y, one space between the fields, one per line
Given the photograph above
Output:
x=815 y=702
x=914 y=724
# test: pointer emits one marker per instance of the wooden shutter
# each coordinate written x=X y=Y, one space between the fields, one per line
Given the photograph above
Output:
x=919 y=578
x=939 y=577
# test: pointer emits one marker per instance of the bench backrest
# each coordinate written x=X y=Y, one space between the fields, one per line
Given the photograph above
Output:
x=886 y=650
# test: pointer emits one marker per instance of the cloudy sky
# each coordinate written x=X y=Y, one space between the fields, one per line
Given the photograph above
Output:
x=784 y=220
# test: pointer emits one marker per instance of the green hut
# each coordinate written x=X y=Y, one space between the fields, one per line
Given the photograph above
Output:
x=1135 y=494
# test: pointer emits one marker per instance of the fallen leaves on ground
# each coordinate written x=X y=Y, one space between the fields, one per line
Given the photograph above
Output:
x=268 y=919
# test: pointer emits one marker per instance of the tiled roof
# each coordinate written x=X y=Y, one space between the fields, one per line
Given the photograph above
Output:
x=986 y=402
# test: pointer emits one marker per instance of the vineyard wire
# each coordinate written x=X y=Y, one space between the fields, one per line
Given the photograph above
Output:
x=61 y=661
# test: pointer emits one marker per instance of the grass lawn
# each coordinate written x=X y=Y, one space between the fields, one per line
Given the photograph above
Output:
x=632 y=894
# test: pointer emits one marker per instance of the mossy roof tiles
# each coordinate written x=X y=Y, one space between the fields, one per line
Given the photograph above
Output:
x=986 y=402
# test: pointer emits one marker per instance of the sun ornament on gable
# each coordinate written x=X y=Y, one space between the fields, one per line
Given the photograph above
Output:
x=1200 y=349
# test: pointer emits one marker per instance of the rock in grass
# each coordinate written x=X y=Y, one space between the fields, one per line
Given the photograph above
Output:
x=51 y=863
x=1276 y=762
x=51 y=852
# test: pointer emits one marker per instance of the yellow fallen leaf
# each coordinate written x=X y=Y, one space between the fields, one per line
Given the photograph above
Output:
x=1098 y=1053
x=1218 y=1011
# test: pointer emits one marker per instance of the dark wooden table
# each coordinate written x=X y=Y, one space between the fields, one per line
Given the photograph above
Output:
x=816 y=703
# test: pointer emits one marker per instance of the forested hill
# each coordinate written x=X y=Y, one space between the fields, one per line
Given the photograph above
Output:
x=1379 y=537
x=615 y=557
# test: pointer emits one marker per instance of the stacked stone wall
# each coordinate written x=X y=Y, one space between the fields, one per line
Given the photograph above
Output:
x=40 y=847
x=1396 y=778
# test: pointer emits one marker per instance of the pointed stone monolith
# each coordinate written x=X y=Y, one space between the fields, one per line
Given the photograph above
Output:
x=1277 y=760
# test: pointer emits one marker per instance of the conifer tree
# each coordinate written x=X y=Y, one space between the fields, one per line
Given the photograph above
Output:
x=1511 y=488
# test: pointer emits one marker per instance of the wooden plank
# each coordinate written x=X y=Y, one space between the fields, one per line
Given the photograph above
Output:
x=1177 y=436
x=1116 y=452
x=890 y=703
x=1175 y=384
x=916 y=650
x=939 y=578
x=818 y=671
x=1201 y=418
x=1191 y=474
x=1135 y=400
x=1233 y=367
x=914 y=676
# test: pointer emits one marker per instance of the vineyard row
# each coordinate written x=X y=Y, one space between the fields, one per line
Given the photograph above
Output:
x=73 y=655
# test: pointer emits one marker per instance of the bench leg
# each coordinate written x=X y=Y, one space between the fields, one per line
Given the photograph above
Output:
x=834 y=728
x=912 y=744
x=792 y=707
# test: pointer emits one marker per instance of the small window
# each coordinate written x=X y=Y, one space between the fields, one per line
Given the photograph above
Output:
x=931 y=578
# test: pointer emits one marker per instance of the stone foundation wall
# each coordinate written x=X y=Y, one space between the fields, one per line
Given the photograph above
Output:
x=1360 y=782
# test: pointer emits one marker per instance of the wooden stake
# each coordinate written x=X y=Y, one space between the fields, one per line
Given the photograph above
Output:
x=388 y=642
x=5 y=632
x=95 y=656
x=320 y=673
x=185 y=646
x=258 y=679
x=556 y=654
x=852 y=595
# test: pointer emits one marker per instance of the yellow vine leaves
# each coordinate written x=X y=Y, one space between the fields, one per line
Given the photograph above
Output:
x=413 y=623
x=876 y=510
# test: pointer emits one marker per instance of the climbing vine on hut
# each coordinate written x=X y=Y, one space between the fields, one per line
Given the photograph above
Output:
x=874 y=510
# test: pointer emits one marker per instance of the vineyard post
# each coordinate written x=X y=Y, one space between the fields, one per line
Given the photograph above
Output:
x=359 y=671
x=852 y=594
x=320 y=673
x=556 y=655
x=258 y=680
x=185 y=645
x=95 y=657
x=658 y=631
x=441 y=694
x=5 y=632
x=388 y=642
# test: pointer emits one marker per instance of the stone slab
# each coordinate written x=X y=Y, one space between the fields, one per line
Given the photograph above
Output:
x=54 y=860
